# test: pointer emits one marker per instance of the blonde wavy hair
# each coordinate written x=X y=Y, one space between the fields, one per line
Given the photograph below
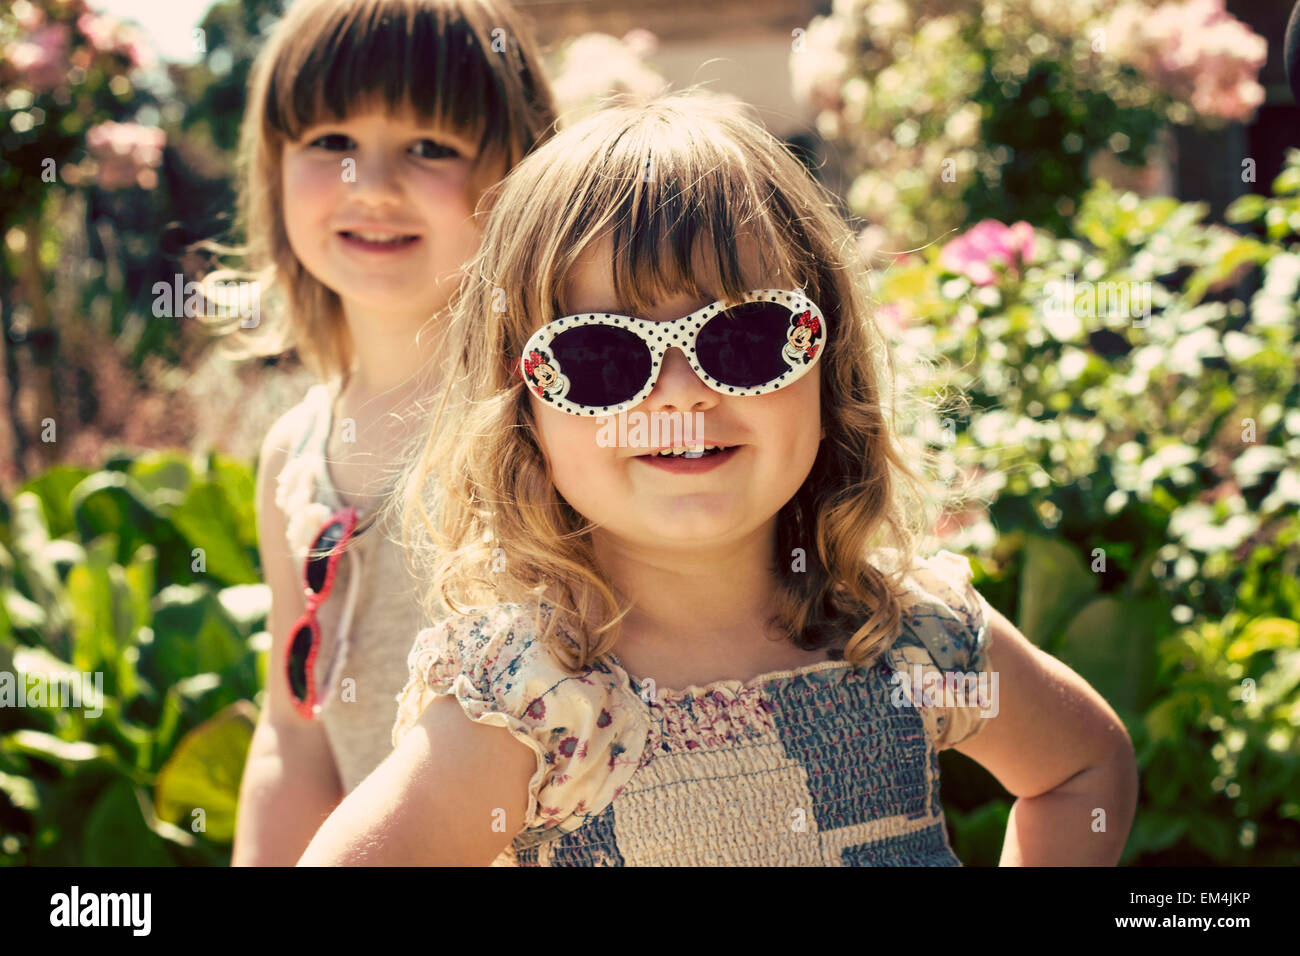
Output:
x=480 y=515
x=470 y=66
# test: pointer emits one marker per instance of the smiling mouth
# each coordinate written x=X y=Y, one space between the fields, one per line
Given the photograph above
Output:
x=380 y=238
x=697 y=451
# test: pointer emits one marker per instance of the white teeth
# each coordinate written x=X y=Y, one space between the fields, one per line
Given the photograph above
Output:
x=693 y=451
x=379 y=236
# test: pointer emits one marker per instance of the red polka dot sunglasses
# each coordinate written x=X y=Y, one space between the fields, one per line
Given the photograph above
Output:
x=319 y=571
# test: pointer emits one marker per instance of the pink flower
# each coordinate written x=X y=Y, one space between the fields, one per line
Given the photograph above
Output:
x=27 y=15
x=1196 y=52
x=42 y=59
x=985 y=245
x=127 y=154
x=112 y=36
x=892 y=318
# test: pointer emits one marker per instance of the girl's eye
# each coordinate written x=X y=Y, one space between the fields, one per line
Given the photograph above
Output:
x=332 y=141
x=432 y=149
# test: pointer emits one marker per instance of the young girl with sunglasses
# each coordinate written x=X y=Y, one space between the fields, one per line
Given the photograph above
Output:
x=709 y=657
x=372 y=128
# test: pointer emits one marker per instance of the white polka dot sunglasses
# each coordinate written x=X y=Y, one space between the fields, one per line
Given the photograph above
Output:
x=604 y=364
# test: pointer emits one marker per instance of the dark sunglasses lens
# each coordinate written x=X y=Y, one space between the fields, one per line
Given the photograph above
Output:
x=299 y=649
x=604 y=365
x=318 y=560
x=741 y=347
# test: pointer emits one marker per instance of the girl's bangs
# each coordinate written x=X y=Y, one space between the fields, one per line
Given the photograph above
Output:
x=697 y=226
x=426 y=58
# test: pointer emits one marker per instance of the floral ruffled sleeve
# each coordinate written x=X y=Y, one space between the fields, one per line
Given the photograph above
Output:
x=582 y=727
x=943 y=652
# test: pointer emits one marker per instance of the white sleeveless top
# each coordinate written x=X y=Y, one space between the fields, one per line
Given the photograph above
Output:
x=370 y=619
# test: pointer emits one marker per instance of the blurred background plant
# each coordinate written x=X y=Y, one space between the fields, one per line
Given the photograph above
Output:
x=144 y=572
x=108 y=174
x=947 y=113
x=1118 y=411
x=1126 y=456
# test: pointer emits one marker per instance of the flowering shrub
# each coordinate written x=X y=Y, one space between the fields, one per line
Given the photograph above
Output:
x=127 y=154
x=989 y=246
x=1196 y=52
x=947 y=114
x=65 y=69
x=596 y=67
x=1130 y=443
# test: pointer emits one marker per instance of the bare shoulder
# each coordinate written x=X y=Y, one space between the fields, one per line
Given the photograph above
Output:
x=286 y=430
x=453 y=792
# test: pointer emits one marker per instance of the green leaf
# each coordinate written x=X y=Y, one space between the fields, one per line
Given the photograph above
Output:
x=978 y=836
x=1112 y=645
x=1268 y=634
x=208 y=521
x=110 y=502
x=31 y=542
x=1054 y=583
x=236 y=480
x=247 y=604
x=162 y=472
x=1246 y=208
x=1154 y=831
x=55 y=749
x=205 y=771
x=192 y=634
x=54 y=489
x=22 y=793
x=117 y=834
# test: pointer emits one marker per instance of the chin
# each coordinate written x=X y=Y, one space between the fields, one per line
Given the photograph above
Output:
x=690 y=531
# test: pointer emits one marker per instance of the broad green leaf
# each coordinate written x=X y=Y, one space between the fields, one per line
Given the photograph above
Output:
x=55 y=749
x=1112 y=645
x=111 y=503
x=1054 y=583
x=247 y=604
x=116 y=832
x=31 y=541
x=205 y=771
x=22 y=792
x=1246 y=208
x=163 y=472
x=192 y=634
x=209 y=522
x=1265 y=635
x=54 y=489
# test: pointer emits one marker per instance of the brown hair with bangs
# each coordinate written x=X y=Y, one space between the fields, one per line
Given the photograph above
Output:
x=469 y=66
x=680 y=185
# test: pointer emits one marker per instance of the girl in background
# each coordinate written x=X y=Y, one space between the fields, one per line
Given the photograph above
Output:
x=373 y=126
x=719 y=654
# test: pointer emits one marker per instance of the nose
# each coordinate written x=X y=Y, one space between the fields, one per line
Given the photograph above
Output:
x=679 y=388
x=375 y=179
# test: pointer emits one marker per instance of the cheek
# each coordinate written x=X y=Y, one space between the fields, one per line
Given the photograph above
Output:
x=569 y=444
x=791 y=422
x=445 y=195
x=308 y=186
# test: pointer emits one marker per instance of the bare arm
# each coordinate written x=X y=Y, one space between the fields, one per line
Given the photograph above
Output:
x=1060 y=748
x=290 y=782
x=452 y=793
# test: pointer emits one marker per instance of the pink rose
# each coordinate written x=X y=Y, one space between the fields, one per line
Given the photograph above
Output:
x=127 y=154
x=986 y=245
x=42 y=59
